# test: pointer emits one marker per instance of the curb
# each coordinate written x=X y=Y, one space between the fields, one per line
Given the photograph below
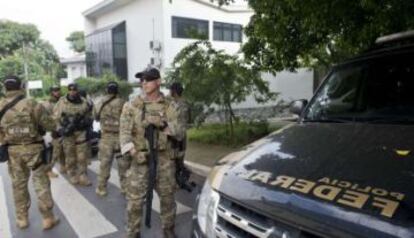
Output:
x=198 y=169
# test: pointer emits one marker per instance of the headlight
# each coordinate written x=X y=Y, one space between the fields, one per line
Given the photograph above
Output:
x=206 y=211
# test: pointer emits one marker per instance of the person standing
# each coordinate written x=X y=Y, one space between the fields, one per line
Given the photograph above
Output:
x=151 y=108
x=22 y=126
x=57 y=154
x=108 y=114
x=179 y=143
x=74 y=117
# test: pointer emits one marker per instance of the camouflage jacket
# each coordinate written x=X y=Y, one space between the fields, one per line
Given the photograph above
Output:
x=181 y=111
x=50 y=104
x=109 y=114
x=66 y=108
x=133 y=122
x=25 y=122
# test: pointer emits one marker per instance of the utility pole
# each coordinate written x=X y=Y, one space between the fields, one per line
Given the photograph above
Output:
x=26 y=71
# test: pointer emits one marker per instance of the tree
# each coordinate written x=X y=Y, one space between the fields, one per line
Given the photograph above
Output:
x=20 y=45
x=212 y=77
x=77 y=41
x=287 y=34
x=14 y=35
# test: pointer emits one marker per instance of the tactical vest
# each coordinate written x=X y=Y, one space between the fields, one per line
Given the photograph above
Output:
x=146 y=109
x=73 y=109
x=110 y=115
x=19 y=124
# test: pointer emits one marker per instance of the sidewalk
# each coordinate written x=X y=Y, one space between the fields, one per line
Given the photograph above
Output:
x=201 y=157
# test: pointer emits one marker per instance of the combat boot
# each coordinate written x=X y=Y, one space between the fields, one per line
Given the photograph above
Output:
x=52 y=174
x=22 y=222
x=169 y=233
x=63 y=169
x=84 y=181
x=49 y=223
x=74 y=180
x=101 y=191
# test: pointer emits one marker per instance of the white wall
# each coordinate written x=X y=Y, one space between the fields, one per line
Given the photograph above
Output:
x=76 y=70
x=139 y=16
x=290 y=86
x=193 y=9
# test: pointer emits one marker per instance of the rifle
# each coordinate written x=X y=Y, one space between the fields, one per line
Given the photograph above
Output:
x=151 y=134
x=182 y=176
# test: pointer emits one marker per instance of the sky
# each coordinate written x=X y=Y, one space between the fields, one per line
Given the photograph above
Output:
x=56 y=19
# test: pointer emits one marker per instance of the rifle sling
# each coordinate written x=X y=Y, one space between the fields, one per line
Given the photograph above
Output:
x=10 y=105
x=104 y=104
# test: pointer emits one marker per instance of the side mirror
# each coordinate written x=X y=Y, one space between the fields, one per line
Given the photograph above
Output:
x=297 y=106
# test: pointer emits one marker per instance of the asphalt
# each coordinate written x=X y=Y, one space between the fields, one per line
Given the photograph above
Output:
x=112 y=208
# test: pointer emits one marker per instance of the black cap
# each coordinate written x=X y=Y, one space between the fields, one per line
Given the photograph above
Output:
x=112 y=87
x=149 y=74
x=12 y=82
x=54 y=88
x=73 y=86
x=177 y=88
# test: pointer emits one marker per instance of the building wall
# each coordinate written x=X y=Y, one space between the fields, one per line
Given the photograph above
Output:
x=141 y=16
x=76 y=70
x=289 y=86
x=148 y=20
x=193 y=9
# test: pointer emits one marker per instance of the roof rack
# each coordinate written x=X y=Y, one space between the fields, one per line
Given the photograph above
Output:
x=395 y=37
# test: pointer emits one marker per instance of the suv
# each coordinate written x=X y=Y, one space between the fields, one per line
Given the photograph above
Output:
x=345 y=169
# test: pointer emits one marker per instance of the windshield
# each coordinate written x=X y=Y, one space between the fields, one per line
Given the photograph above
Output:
x=376 y=90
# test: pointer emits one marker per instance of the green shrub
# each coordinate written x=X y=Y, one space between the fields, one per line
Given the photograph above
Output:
x=97 y=86
x=219 y=134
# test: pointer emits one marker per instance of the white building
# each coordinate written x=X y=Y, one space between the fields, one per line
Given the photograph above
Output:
x=75 y=68
x=125 y=36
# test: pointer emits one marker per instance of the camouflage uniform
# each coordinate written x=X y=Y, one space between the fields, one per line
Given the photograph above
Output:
x=19 y=128
x=133 y=121
x=181 y=112
x=58 y=155
x=109 y=143
x=75 y=146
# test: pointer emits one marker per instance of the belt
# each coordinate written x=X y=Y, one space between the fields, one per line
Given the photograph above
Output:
x=31 y=143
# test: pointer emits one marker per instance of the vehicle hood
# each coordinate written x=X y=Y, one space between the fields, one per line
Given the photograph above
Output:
x=366 y=172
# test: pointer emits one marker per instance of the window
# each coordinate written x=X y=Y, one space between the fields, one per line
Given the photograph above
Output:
x=227 y=32
x=189 y=28
x=106 y=50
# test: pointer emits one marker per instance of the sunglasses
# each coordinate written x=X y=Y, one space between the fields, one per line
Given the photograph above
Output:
x=72 y=89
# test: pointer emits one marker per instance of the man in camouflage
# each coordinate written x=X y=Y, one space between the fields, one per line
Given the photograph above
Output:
x=108 y=113
x=21 y=128
x=56 y=142
x=179 y=143
x=73 y=117
x=150 y=108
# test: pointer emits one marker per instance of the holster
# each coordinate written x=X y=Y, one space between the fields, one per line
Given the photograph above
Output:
x=4 y=153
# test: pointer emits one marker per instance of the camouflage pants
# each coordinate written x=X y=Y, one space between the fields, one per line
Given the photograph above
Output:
x=58 y=155
x=108 y=149
x=137 y=183
x=75 y=149
x=22 y=160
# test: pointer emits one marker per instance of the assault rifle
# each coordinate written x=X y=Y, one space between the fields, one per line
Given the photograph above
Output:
x=151 y=134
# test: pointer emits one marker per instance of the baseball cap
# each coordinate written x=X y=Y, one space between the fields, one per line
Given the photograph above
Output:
x=148 y=74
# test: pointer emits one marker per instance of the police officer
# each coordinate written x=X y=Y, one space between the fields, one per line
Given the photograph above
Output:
x=181 y=112
x=108 y=113
x=74 y=117
x=150 y=108
x=57 y=155
x=21 y=128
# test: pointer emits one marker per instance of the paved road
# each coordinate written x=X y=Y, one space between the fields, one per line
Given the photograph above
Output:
x=85 y=215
